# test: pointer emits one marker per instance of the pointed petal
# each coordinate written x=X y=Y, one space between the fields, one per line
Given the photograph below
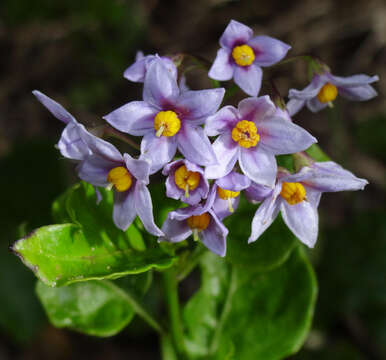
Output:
x=294 y=106
x=136 y=72
x=256 y=109
x=160 y=85
x=94 y=170
x=358 y=93
x=135 y=118
x=354 y=80
x=214 y=236
x=268 y=51
x=54 y=108
x=160 y=150
x=144 y=208
x=259 y=165
x=315 y=105
x=233 y=182
x=175 y=230
x=222 y=69
x=197 y=104
x=280 y=136
x=225 y=118
x=249 y=79
x=138 y=167
x=257 y=192
x=71 y=144
x=311 y=90
x=226 y=150
x=302 y=219
x=195 y=145
x=124 y=211
x=235 y=33
x=264 y=216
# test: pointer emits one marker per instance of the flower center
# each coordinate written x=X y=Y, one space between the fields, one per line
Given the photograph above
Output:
x=293 y=193
x=198 y=222
x=227 y=194
x=327 y=93
x=186 y=180
x=120 y=178
x=166 y=123
x=245 y=133
x=243 y=55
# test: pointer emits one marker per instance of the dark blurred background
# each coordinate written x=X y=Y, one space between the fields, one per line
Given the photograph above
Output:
x=76 y=51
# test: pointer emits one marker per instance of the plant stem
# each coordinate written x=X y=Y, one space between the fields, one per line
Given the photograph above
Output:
x=137 y=306
x=193 y=261
x=110 y=131
x=171 y=295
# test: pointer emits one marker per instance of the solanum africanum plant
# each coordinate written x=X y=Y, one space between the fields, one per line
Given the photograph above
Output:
x=200 y=188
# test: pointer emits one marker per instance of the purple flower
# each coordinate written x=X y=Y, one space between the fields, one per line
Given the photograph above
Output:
x=325 y=87
x=70 y=145
x=242 y=55
x=199 y=220
x=106 y=167
x=169 y=119
x=137 y=71
x=185 y=181
x=227 y=190
x=253 y=134
x=297 y=196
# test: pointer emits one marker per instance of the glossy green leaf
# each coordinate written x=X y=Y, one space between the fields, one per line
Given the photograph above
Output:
x=91 y=247
x=245 y=315
x=99 y=308
x=271 y=249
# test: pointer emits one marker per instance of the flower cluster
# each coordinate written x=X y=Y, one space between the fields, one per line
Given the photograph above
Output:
x=209 y=176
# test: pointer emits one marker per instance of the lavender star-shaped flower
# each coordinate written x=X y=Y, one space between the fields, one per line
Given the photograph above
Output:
x=325 y=87
x=253 y=134
x=169 y=119
x=199 y=220
x=297 y=196
x=242 y=55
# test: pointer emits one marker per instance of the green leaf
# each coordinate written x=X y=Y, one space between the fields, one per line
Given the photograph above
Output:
x=98 y=308
x=271 y=249
x=91 y=247
x=245 y=315
x=317 y=153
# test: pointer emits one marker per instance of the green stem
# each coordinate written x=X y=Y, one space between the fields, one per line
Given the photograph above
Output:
x=192 y=262
x=292 y=59
x=137 y=306
x=171 y=295
x=111 y=132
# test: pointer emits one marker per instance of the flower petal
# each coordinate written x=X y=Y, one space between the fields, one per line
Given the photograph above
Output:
x=257 y=192
x=195 y=145
x=95 y=168
x=249 y=79
x=268 y=51
x=135 y=118
x=197 y=104
x=144 y=208
x=54 y=108
x=264 y=216
x=137 y=71
x=214 y=236
x=311 y=90
x=225 y=118
x=256 y=109
x=315 y=105
x=358 y=93
x=302 y=219
x=233 y=182
x=175 y=230
x=71 y=144
x=226 y=150
x=124 y=211
x=294 y=106
x=222 y=69
x=160 y=85
x=259 y=165
x=221 y=207
x=138 y=167
x=280 y=136
x=354 y=80
x=160 y=150
x=235 y=33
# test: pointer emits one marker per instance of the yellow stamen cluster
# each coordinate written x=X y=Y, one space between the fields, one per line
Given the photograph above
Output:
x=120 y=178
x=227 y=194
x=166 y=123
x=243 y=55
x=198 y=222
x=327 y=93
x=186 y=180
x=293 y=193
x=245 y=133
